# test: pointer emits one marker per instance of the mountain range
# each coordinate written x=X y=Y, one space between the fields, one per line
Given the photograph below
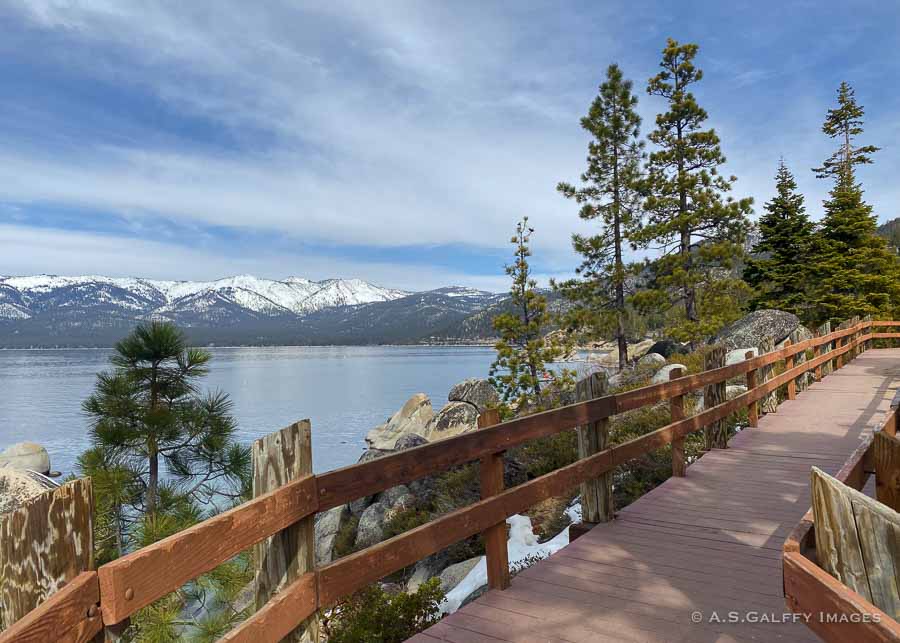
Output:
x=91 y=311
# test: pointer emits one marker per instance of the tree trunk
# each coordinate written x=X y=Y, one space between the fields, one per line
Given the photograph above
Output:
x=153 y=479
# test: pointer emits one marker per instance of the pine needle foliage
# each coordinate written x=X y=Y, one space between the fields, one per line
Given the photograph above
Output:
x=855 y=271
x=779 y=269
x=523 y=352
x=691 y=220
x=610 y=194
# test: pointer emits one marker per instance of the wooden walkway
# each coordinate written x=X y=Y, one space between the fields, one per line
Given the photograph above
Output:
x=708 y=543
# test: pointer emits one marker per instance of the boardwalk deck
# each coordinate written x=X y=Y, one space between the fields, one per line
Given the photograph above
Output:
x=708 y=543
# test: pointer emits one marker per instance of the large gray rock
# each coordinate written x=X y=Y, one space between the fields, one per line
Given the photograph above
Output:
x=662 y=375
x=17 y=488
x=478 y=392
x=739 y=355
x=652 y=359
x=371 y=525
x=411 y=418
x=751 y=329
x=26 y=456
x=328 y=524
x=453 y=575
x=409 y=441
x=453 y=419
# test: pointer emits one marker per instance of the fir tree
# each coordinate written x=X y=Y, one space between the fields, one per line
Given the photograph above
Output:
x=522 y=350
x=698 y=229
x=778 y=272
x=610 y=193
x=855 y=271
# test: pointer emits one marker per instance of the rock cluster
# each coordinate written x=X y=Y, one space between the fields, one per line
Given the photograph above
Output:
x=752 y=329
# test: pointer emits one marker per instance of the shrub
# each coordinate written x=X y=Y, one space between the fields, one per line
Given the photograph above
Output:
x=345 y=541
x=550 y=453
x=376 y=616
x=403 y=521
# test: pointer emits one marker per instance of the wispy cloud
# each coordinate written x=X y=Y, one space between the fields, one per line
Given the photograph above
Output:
x=376 y=125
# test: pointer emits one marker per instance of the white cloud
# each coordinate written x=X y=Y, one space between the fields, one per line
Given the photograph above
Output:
x=28 y=250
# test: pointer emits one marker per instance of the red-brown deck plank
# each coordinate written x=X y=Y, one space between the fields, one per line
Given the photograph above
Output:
x=708 y=542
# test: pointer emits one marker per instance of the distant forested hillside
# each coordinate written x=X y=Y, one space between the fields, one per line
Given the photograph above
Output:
x=891 y=232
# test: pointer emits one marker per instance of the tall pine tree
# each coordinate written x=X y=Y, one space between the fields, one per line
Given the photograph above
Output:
x=610 y=194
x=698 y=229
x=779 y=269
x=856 y=273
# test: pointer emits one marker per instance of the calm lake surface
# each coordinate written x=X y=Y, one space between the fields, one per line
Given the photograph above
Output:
x=343 y=390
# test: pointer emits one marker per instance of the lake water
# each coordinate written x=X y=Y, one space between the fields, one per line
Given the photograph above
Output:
x=343 y=390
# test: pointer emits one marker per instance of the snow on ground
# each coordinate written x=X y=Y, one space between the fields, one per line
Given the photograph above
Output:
x=522 y=544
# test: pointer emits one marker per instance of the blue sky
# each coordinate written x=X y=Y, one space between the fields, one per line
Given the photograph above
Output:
x=393 y=141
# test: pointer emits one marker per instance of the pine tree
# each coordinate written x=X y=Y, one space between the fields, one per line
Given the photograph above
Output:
x=698 y=229
x=522 y=350
x=610 y=193
x=145 y=414
x=779 y=269
x=855 y=271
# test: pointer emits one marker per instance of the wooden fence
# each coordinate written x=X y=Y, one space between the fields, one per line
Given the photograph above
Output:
x=105 y=598
x=835 y=612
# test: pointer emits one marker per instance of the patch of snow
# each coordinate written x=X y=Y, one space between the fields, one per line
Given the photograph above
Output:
x=573 y=511
x=522 y=544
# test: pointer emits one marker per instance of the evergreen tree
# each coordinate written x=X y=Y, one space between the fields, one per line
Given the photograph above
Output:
x=522 y=350
x=148 y=410
x=778 y=272
x=856 y=273
x=144 y=414
x=698 y=229
x=610 y=193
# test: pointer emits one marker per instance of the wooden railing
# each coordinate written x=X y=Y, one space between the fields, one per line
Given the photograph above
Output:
x=109 y=595
x=832 y=610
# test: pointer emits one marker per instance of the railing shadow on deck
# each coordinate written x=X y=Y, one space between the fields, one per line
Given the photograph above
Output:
x=134 y=581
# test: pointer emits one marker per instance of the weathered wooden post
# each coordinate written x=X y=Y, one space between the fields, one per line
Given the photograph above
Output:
x=676 y=408
x=825 y=368
x=713 y=395
x=801 y=380
x=753 y=407
x=768 y=404
x=494 y=537
x=596 y=494
x=279 y=458
x=788 y=365
x=887 y=470
x=44 y=545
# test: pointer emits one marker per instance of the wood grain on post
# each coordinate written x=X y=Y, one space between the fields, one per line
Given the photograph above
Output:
x=676 y=408
x=44 y=545
x=887 y=470
x=788 y=365
x=713 y=395
x=753 y=407
x=278 y=459
x=494 y=537
x=596 y=494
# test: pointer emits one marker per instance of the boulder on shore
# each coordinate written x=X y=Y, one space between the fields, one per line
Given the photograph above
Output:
x=651 y=359
x=752 y=329
x=453 y=419
x=739 y=355
x=478 y=392
x=668 y=347
x=411 y=418
x=328 y=524
x=662 y=375
x=25 y=456
x=17 y=488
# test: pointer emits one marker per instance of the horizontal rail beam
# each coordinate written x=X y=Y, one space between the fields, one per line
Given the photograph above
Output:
x=71 y=614
x=280 y=615
x=134 y=581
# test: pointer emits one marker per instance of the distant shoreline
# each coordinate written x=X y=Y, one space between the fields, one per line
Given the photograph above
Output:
x=423 y=345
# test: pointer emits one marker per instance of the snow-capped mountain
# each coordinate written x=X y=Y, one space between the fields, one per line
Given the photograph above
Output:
x=93 y=310
x=23 y=297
